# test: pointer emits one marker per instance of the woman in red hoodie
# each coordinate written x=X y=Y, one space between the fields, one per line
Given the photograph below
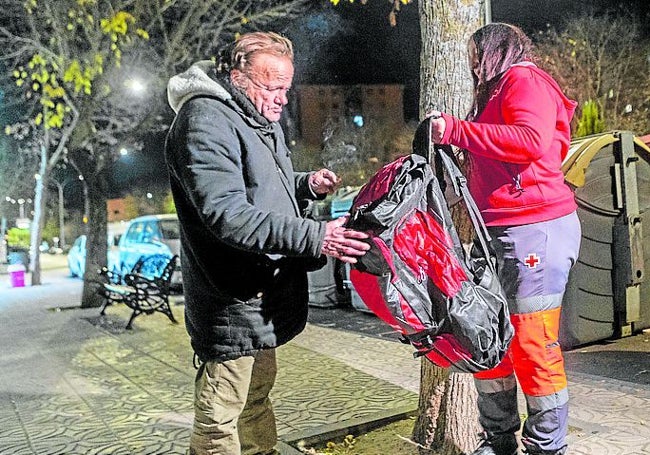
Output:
x=516 y=135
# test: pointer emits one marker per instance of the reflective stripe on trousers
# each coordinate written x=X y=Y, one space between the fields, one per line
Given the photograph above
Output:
x=534 y=264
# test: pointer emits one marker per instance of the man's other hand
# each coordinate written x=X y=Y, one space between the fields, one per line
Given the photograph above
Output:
x=342 y=243
x=324 y=181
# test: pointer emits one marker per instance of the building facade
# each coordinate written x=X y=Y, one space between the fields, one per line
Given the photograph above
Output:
x=360 y=104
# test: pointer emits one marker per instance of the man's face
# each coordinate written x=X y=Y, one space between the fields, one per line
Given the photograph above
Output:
x=269 y=80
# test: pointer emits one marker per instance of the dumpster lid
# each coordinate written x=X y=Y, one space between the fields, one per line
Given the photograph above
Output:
x=582 y=151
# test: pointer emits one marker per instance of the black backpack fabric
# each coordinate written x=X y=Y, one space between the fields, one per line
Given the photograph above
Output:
x=417 y=276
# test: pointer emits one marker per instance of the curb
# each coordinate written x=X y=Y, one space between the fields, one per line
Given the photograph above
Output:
x=322 y=434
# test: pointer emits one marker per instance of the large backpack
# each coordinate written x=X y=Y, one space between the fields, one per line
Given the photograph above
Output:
x=417 y=276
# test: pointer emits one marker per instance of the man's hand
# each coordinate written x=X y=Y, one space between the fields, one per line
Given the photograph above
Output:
x=324 y=181
x=342 y=243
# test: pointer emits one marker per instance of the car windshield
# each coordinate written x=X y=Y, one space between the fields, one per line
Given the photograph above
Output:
x=169 y=229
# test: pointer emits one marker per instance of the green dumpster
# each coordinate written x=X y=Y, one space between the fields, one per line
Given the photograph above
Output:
x=607 y=295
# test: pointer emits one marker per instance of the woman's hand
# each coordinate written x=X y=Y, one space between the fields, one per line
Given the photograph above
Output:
x=438 y=126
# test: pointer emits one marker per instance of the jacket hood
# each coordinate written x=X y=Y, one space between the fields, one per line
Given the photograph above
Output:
x=569 y=104
x=195 y=81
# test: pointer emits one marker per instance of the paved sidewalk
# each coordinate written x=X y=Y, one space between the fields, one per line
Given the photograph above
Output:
x=72 y=382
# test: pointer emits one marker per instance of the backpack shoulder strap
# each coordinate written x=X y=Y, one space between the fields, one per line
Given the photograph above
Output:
x=459 y=183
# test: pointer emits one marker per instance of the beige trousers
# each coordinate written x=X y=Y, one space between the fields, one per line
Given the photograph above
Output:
x=233 y=414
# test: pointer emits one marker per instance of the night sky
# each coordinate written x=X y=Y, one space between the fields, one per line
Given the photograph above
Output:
x=354 y=43
x=555 y=12
x=366 y=49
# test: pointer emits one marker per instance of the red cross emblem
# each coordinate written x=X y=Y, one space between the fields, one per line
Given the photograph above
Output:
x=531 y=261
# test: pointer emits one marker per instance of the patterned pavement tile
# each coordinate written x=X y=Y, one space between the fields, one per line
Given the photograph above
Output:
x=320 y=397
x=116 y=392
x=77 y=383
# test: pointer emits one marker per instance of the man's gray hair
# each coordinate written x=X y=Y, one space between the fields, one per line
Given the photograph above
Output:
x=250 y=44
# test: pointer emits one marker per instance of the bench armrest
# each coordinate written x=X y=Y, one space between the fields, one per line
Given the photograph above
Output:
x=109 y=276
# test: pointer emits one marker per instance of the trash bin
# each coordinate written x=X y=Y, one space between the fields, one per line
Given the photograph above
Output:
x=16 y=275
x=355 y=299
x=342 y=200
x=324 y=291
x=607 y=295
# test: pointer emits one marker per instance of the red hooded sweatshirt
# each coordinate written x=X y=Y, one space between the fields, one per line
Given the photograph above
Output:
x=517 y=145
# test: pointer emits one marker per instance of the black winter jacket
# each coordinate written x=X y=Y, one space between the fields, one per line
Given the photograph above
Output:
x=245 y=247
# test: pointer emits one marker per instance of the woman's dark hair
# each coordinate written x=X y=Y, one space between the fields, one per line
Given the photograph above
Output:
x=498 y=47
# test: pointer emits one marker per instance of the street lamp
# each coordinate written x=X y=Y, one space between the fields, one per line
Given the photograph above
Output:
x=21 y=208
x=135 y=85
x=21 y=221
x=60 y=186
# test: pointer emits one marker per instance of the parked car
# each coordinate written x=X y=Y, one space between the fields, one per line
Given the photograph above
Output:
x=77 y=257
x=142 y=236
x=18 y=255
x=148 y=235
x=77 y=252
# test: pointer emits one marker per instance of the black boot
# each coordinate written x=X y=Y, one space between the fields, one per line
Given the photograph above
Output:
x=497 y=444
x=532 y=449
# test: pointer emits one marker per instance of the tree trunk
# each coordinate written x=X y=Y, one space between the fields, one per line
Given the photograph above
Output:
x=96 y=245
x=447 y=421
x=38 y=220
x=448 y=417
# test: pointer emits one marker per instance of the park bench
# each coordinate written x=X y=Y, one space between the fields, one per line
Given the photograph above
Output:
x=145 y=289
